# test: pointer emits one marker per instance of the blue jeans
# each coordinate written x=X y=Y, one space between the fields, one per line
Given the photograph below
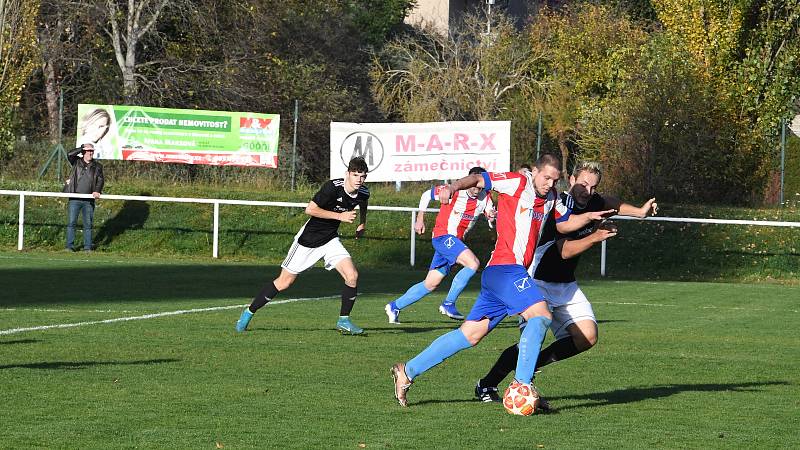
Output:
x=86 y=207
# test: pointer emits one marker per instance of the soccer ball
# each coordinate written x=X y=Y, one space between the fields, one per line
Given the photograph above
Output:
x=520 y=399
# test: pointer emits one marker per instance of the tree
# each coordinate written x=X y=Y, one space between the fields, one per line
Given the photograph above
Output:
x=128 y=22
x=465 y=75
x=591 y=51
x=18 y=53
x=749 y=50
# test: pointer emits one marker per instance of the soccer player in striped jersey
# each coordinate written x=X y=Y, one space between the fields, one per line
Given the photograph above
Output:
x=319 y=239
x=574 y=325
x=453 y=221
x=524 y=201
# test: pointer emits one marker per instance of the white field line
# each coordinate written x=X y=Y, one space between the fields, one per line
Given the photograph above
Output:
x=67 y=310
x=728 y=308
x=152 y=316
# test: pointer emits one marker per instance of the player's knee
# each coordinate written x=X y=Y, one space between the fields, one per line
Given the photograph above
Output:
x=585 y=341
x=282 y=285
x=351 y=278
x=591 y=339
x=431 y=284
x=473 y=337
x=283 y=282
x=473 y=264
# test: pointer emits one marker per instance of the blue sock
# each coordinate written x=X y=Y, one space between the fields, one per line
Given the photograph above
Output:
x=442 y=348
x=529 y=345
x=412 y=295
x=459 y=283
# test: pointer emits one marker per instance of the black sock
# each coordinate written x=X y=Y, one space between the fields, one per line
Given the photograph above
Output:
x=348 y=300
x=557 y=351
x=505 y=364
x=267 y=293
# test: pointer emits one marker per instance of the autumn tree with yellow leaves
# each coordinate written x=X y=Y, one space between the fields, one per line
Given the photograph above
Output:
x=18 y=54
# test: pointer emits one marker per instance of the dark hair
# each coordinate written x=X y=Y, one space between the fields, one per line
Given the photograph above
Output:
x=526 y=166
x=358 y=164
x=476 y=169
x=548 y=159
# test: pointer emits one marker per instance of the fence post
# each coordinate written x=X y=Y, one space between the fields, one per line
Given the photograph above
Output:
x=783 y=157
x=413 y=240
x=294 y=140
x=603 y=259
x=215 y=251
x=21 y=231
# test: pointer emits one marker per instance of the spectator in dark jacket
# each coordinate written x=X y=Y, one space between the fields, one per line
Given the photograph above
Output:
x=86 y=178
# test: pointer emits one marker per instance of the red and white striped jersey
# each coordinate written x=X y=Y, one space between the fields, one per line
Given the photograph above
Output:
x=459 y=215
x=520 y=216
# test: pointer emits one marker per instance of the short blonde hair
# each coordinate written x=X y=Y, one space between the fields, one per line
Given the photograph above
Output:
x=588 y=166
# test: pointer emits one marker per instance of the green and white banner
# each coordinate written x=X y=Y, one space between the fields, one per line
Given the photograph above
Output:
x=188 y=136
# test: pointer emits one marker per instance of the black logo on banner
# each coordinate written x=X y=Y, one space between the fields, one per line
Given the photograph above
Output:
x=364 y=144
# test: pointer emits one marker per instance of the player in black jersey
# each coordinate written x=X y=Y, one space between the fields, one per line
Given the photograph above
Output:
x=574 y=325
x=319 y=239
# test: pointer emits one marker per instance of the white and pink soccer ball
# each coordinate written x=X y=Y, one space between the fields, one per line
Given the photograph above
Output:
x=521 y=399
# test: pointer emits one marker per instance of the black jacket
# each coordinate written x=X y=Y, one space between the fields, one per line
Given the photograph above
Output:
x=95 y=172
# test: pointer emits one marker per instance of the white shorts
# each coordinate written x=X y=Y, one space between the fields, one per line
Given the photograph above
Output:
x=300 y=258
x=568 y=305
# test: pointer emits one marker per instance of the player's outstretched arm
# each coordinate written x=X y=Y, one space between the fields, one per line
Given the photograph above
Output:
x=572 y=248
x=649 y=207
x=578 y=221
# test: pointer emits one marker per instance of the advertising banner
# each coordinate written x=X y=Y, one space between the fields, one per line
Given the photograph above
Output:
x=794 y=125
x=188 y=136
x=421 y=151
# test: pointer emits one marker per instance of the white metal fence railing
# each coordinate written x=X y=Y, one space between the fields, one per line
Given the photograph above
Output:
x=411 y=211
x=215 y=202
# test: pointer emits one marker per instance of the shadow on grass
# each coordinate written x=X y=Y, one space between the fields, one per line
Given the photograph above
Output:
x=76 y=365
x=637 y=394
x=79 y=282
x=132 y=216
x=19 y=341
x=631 y=395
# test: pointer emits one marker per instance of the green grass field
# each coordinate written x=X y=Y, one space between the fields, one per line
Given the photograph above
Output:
x=678 y=365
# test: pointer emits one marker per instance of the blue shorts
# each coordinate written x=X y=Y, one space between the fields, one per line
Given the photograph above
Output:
x=505 y=290
x=446 y=250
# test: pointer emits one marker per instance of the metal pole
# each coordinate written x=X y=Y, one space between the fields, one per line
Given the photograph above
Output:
x=21 y=231
x=215 y=251
x=539 y=136
x=783 y=156
x=603 y=259
x=294 y=139
x=60 y=126
x=413 y=239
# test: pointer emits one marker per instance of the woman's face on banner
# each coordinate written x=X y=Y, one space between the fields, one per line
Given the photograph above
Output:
x=96 y=129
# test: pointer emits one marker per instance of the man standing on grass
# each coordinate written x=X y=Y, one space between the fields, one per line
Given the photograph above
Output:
x=574 y=325
x=525 y=200
x=86 y=177
x=319 y=239
x=453 y=221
